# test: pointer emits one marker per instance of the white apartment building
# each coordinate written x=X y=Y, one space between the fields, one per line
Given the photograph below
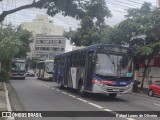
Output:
x=42 y=25
x=45 y=30
x=47 y=46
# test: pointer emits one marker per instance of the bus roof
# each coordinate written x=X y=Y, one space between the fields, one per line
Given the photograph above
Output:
x=45 y=61
x=92 y=47
x=18 y=60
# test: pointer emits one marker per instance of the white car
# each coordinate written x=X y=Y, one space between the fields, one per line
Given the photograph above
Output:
x=30 y=73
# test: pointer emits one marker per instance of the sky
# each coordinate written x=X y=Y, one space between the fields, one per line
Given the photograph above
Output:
x=118 y=10
x=117 y=7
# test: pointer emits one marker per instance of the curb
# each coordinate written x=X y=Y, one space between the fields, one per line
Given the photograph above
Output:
x=8 y=102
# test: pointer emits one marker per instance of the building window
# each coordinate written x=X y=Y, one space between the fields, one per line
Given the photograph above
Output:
x=41 y=41
x=55 y=49
x=37 y=48
x=37 y=41
x=60 y=42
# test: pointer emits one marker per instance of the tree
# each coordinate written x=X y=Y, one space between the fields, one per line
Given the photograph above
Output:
x=140 y=30
x=73 y=8
x=33 y=64
x=26 y=38
x=9 y=46
x=13 y=43
x=92 y=30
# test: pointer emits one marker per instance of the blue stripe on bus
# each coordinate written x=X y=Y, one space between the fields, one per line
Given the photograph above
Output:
x=117 y=82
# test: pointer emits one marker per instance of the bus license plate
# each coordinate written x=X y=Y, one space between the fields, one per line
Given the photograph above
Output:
x=116 y=90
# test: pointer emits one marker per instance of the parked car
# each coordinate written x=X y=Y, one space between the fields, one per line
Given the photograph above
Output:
x=154 y=88
x=30 y=73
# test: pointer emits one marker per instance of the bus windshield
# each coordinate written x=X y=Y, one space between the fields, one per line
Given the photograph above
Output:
x=113 y=65
x=18 y=66
x=49 y=67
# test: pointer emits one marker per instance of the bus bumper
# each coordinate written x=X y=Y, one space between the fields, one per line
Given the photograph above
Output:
x=102 y=88
x=48 y=76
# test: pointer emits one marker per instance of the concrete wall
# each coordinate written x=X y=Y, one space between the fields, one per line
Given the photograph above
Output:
x=151 y=71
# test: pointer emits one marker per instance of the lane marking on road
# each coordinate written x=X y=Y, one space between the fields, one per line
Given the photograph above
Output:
x=82 y=100
x=105 y=109
x=98 y=106
x=156 y=104
x=57 y=90
x=64 y=93
x=38 y=82
x=85 y=101
x=71 y=95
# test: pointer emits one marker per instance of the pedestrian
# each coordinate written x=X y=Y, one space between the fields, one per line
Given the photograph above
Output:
x=150 y=81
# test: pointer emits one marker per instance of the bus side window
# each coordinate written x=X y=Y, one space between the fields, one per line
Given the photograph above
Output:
x=83 y=58
x=76 y=60
x=72 y=60
x=124 y=61
x=80 y=59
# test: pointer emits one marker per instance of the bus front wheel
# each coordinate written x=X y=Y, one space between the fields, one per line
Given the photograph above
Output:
x=112 y=95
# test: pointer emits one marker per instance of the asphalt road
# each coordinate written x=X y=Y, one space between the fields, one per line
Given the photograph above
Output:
x=37 y=95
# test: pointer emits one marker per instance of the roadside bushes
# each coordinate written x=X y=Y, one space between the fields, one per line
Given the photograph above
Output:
x=4 y=75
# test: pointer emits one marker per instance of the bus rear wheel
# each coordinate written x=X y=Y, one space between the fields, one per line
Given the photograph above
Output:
x=112 y=95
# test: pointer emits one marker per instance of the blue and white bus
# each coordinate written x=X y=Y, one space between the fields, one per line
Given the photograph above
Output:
x=44 y=69
x=102 y=68
x=18 y=68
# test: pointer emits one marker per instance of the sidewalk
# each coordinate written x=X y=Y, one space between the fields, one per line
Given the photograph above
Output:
x=3 y=103
x=142 y=91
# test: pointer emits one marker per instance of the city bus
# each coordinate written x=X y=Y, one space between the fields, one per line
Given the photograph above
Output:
x=18 y=68
x=44 y=69
x=101 y=68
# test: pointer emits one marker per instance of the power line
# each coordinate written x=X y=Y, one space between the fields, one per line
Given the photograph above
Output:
x=117 y=6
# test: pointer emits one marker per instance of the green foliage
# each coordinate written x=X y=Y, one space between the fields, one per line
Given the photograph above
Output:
x=78 y=9
x=13 y=42
x=74 y=8
x=34 y=62
x=140 y=30
x=26 y=38
x=85 y=35
x=9 y=44
x=97 y=9
x=92 y=30
x=4 y=75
